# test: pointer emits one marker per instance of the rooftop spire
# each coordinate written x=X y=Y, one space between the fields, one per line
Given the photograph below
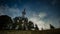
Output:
x=23 y=13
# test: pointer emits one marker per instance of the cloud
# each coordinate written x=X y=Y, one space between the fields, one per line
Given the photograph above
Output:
x=14 y=11
x=11 y=11
x=54 y=21
x=43 y=20
x=41 y=24
x=54 y=2
x=42 y=15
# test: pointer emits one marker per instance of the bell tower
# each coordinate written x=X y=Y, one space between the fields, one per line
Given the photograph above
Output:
x=23 y=13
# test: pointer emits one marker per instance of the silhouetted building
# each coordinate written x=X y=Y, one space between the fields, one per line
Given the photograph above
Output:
x=23 y=13
x=18 y=23
x=23 y=23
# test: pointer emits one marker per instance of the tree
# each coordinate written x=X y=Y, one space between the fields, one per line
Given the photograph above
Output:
x=51 y=26
x=4 y=21
x=30 y=25
x=36 y=27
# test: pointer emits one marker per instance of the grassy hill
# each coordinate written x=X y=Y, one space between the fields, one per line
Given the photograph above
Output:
x=51 y=31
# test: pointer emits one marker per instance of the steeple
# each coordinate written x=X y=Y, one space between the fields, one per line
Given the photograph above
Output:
x=23 y=13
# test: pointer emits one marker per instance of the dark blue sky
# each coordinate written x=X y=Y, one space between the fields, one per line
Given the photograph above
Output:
x=47 y=11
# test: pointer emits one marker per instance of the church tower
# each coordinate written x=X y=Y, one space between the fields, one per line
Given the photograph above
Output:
x=23 y=13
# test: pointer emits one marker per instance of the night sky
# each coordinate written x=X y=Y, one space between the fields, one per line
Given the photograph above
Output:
x=41 y=12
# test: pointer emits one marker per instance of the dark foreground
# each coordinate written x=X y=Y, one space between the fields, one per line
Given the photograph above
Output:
x=52 y=31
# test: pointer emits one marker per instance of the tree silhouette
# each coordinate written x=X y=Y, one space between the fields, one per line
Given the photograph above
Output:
x=36 y=27
x=4 y=21
x=51 y=26
x=31 y=25
x=23 y=24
